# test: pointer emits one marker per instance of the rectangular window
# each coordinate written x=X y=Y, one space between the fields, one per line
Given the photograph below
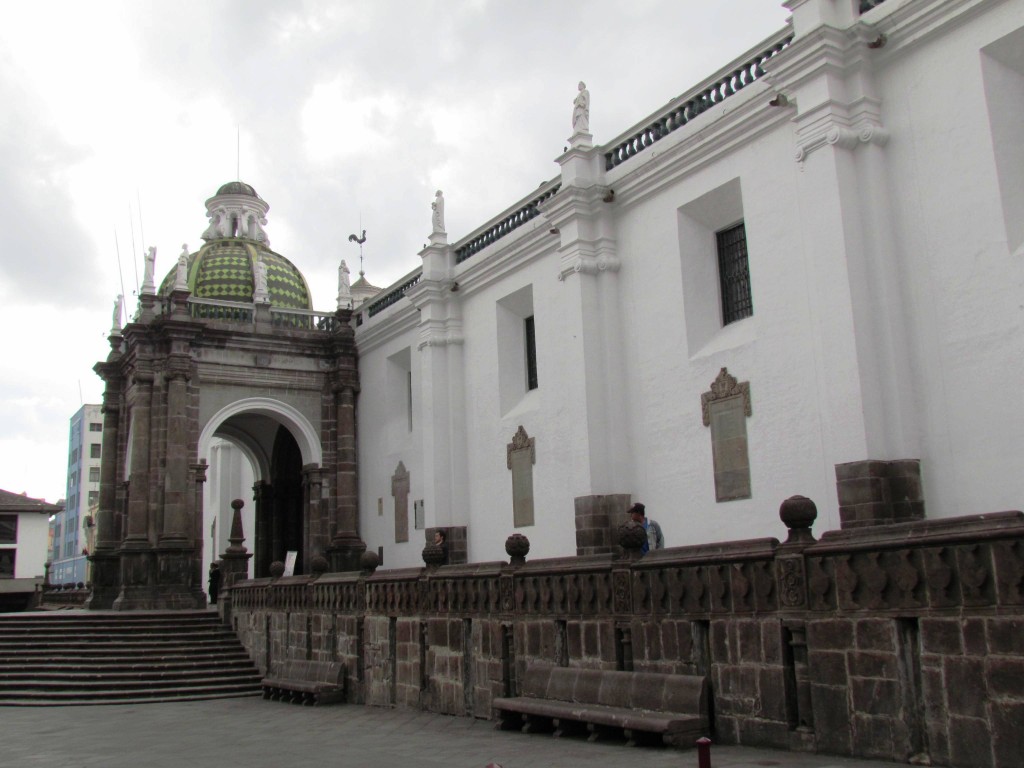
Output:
x=734 y=274
x=7 y=563
x=94 y=498
x=94 y=474
x=531 y=353
x=95 y=426
x=94 y=451
x=8 y=529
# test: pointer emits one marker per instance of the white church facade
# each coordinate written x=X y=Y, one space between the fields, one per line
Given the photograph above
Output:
x=802 y=276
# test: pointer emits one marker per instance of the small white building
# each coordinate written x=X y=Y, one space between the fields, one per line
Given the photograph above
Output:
x=24 y=530
x=802 y=276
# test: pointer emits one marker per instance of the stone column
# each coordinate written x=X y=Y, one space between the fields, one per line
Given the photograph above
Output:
x=317 y=534
x=442 y=386
x=104 y=559
x=862 y=359
x=264 y=500
x=137 y=563
x=346 y=546
x=197 y=479
x=582 y=215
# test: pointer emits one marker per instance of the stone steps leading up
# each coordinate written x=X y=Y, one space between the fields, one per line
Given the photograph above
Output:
x=92 y=657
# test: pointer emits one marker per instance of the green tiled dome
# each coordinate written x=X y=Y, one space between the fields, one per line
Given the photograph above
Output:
x=223 y=269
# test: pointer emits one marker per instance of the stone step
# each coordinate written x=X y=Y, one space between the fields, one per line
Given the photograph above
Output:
x=18 y=697
x=126 y=666
x=118 y=685
x=156 y=698
x=81 y=657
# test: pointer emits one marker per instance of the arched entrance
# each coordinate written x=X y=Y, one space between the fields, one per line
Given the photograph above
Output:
x=262 y=432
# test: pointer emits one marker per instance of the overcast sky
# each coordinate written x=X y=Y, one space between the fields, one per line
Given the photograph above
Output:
x=119 y=119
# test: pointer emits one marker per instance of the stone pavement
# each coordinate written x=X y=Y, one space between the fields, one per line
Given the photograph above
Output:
x=255 y=733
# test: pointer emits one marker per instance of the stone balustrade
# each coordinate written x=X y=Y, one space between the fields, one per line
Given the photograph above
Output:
x=828 y=644
x=708 y=94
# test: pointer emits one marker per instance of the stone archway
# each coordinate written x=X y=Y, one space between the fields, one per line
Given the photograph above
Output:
x=280 y=445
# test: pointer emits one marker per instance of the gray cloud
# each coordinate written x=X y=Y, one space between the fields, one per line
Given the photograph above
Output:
x=47 y=255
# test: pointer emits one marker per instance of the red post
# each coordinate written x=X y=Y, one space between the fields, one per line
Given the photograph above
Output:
x=703 y=752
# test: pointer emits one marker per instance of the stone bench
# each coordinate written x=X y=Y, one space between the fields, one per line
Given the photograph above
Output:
x=637 y=704
x=306 y=682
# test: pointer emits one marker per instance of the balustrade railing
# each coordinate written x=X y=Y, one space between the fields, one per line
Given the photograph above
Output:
x=505 y=224
x=225 y=311
x=392 y=296
x=726 y=83
x=303 y=318
x=235 y=312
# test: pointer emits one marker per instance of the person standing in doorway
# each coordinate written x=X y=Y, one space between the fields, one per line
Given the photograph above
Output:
x=655 y=539
x=214 y=582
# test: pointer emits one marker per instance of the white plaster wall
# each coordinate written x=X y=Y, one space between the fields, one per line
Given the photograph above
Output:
x=385 y=440
x=31 y=545
x=773 y=350
x=963 y=284
x=230 y=476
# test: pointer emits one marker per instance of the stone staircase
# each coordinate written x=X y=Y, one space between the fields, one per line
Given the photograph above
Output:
x=104 y=657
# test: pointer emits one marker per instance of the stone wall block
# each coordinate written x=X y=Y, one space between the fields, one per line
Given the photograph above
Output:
x=830 y=634
x=941 y=636
x=832 y=719
x=1008 y=734
x=875 y=635
x=1005 y=678
x=749 y=636
x=965 y=687
x=771 y=698
x=1006 y=635
x=970 y=743
x=875 y=697
x=873 y=737
x=827 y=668
x=873 y=664
x=771 y=642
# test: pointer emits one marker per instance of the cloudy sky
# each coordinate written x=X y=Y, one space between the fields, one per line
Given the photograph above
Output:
x=119 y=119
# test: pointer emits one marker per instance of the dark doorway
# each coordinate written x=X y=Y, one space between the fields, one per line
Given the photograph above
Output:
x=279 y=507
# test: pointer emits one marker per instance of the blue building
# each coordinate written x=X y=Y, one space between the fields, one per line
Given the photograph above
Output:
x=71 y=529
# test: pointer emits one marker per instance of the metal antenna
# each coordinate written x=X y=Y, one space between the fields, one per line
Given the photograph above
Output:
x=120 y=274
x=142 y=236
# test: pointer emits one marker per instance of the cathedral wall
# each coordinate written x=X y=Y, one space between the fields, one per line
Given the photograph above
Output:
x=884 y=267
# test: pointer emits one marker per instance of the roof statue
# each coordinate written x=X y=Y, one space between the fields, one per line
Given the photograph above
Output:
x=437 y=218
x=148 y=286
x=261 y=293
x=181 y=276
x=118 y=309
x=344 y=288
x=581 y=110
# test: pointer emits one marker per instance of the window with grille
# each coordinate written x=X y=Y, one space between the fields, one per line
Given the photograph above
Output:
x=531 y=353
x=734 y=274
x=94 y=474
x=94 y=451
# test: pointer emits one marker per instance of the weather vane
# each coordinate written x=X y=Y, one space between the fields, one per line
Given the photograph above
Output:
x=360 y=240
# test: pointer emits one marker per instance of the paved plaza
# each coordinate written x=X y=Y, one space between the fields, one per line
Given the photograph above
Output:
x=254 y=733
